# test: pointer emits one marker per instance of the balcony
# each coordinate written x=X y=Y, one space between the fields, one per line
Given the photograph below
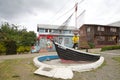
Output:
x=102 y=33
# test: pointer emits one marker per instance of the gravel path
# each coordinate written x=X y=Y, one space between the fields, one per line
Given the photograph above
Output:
x=111 y=70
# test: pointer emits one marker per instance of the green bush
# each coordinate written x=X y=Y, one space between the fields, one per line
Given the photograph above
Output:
x=91 y=45
x=10 y=47
x=2 y=49
x=110 y=47
x=27 y=48
x=20 y=49
x=23 y=49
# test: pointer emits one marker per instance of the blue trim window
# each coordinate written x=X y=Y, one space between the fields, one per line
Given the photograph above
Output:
x=41 y=30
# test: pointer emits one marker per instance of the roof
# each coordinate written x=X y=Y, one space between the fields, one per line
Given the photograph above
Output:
x=117 y=24
x=45 y=26
x=109 y=25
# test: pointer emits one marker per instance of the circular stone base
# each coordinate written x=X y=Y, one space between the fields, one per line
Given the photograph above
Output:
x=53 y=61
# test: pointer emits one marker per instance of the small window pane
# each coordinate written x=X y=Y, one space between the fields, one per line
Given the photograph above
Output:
x=88 y=29
x=101 y=28
x=113 y=29
x=46 y=30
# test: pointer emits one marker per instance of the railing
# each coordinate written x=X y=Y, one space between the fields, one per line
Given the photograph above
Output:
x=106 y=33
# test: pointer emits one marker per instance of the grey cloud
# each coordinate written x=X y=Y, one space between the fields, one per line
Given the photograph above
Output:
x=12 y=8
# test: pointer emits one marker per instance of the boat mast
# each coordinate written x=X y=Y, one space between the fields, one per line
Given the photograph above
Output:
x=76 y=10
x=75 y=31
x=76 y=5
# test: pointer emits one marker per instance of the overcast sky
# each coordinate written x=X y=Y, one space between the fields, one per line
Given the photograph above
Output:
x=29 y=13
x=103 y=11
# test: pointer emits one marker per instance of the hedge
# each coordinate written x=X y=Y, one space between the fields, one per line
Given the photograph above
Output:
x=91 y=45
x=2 y=49
x=110 y=47
x=10 y=47
x=23 y=49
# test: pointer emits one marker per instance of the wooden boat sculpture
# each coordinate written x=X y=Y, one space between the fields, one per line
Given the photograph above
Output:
x=66 y=53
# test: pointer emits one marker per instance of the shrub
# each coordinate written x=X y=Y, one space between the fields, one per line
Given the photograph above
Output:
x=27 y=48
x=20 y=49
x=2 y=49
x=23 y=49
x=110 y=47
x=10 y=47
x=91 y=45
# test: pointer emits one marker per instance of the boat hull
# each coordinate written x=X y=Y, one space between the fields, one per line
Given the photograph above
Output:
x=66 y=53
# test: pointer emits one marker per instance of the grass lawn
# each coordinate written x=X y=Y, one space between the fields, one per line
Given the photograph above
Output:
x=19 y=69
x=22 y=69
x=117 y=58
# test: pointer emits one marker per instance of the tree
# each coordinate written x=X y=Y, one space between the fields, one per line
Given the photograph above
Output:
x=20 y=37
x=28 y=38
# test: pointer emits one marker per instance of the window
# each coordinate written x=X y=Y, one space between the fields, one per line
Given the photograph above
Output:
x=66 y=32
x=98 y=28
x=113 y=29
x=55 y=31
x=41 y=30
x=50 y=30
x=101 y=28
x=66 y=40
x=60 y=31
x=70 y=32
x=110 y=38
x=101 y=38
x=60 y=40
x=46 y=30
x=88 y=29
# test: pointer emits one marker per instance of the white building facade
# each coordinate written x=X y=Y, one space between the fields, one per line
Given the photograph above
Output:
x=60 y=34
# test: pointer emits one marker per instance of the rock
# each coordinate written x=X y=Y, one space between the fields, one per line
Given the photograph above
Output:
x=64 y=73
x=60 y=72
